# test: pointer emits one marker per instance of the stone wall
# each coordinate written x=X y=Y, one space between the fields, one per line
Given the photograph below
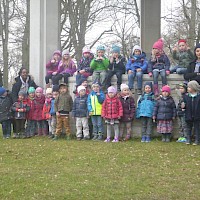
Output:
x=173 y=81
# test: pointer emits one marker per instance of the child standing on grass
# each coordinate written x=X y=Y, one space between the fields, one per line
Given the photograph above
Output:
x=5 y=112
x=128 y=105
x=80 y=112
x=164 y=112
x=158 y=64
x=94 y=104
x=112 y=111
x=191 y=105
x=181 y=114
x=31 y=124
x=20 y=108
x=63 y=106
x=145 y=111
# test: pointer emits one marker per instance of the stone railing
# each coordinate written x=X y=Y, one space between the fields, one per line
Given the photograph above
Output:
x=173 y=81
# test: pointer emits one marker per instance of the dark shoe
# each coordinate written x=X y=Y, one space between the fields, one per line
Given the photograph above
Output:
x=143 y=138
x=86 y=138
x=148 y=139
x=167 y=137
x=139 y=91
x=163 y=138
x=100 y=138
x=95 y=137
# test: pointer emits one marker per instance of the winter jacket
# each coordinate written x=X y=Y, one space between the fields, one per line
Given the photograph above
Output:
x=20 y=105
x=190 y=75
x=136 y=62
x=46 y=109
x=94 y=102
x=31 y=104
x=38 y=106
x=63 y=69
x=17 y=86
x=52 y=109
x=112 y=108
x=192 y=108
x=51 y=67
x=84 y=64
x=128 y=105
x=80 y=107
x=99 y=65
x=165 y=109
x=63 y=103
x=5 y=107
x=160 y=62
x=184 y=58
x=180 y=111
x=118 y=66
x=146 y=105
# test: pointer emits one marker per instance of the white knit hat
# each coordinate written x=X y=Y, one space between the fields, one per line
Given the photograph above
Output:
x=137 y=47
x=48 y=90
x=81 y=87
x=124 y=86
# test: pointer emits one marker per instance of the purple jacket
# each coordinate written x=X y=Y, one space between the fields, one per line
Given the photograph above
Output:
x=62 y=68
x=51 y=67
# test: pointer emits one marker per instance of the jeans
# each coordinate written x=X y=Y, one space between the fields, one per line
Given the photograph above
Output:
x=131 y=78
x=6 y=128
x=47 y=78
x=57 y=77
x=182 y=126
x=178 y=69
x=146 y=126
x=196 y=125
x=109 y=76
x=81 y=77
x=99 y=75
x=97 y=124
x=163 y=75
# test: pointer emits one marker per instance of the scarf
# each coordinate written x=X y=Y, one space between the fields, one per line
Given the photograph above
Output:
x=24 y=86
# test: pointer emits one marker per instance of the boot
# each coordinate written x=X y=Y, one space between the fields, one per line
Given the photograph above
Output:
x=95 y=136
x=163 y=137
x=156 y=89
x=168 y=136
x=100 y=136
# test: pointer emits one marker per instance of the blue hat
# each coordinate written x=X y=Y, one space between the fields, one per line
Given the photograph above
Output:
x=96 y=82
x=116 y=49
x=2 y=91
x=31 y=90
x=101 y=47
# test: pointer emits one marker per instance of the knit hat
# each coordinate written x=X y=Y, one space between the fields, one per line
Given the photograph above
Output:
x=158 y=44
x=123 y=86
x=194 y=85
x=149 y=84
x=39 y=90
x=62 y=84
x=31 y=90
x=57 y=52
x=49 y=91
x=166 y=88
x=112 y=89
x=2 y=91
x=96 y=82
x=81 y=87
x=86 y=50
x=65 y=52
x=101 y=47
x=55 y=88
x=21 y=93
x=137 y=47
x=182 y=40
x=116 y=49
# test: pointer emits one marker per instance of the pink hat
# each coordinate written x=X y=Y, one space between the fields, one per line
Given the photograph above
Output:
x=39 y=89
x=166 y=88
x=182 y=40
x=86 y=50
x=158 y=44
x=112 y=89
x=58 y=52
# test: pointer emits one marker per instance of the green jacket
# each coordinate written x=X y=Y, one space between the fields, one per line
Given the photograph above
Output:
x=99 y=65
x=183 y=58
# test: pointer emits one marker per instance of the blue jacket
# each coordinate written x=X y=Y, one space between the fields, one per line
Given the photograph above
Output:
x=145 y=106
x=137 y=61
x=80 y=107
x=52 y=110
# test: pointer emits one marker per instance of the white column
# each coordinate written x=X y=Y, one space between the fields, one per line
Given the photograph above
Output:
x=150 y=23
x=44 y=35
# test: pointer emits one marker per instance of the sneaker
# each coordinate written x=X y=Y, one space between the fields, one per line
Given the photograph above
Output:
x=195 y=144
x=180 y=139
x=115 y=140
x=78 y=138
x=107 y=140
x=143 y=138
x=100 y=137
x=14 y=135
x=55 y=137
x=148 y=139
x=86 y=138
x=51 y=137
x=139 y=91
x=188 y=142
x=127 y=138
x=95 y=137
x=183 y=140
x=163 y=138
x=132 y=91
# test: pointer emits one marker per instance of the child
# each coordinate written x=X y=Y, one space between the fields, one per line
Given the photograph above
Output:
x=84 y=70
x=99 y=65
x=55 y=94
x=84 y=83
x=80 y=112
x=191 y=105
x=20 y=108
x=183 y=55
x=164 y=112
x=128 y=105
x=52 y=66
x=5 y=112
x=193 y=70
x=63 y=105
x=145 y=111
x=41 y=124
x=31 y=124
x=46 y=108
x=181 y=114
x=66 y=68
x=116 y=67
x=94 y=104
x=158 y=64
x=135 y=67
x=112 y=111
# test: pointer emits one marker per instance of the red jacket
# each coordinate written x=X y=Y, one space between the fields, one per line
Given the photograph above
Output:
x=112 y=108
x=30 y=113
x=46 y=109
x=38 y=107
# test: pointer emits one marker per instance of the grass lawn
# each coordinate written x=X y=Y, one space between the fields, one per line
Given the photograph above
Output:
x=39 y=168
